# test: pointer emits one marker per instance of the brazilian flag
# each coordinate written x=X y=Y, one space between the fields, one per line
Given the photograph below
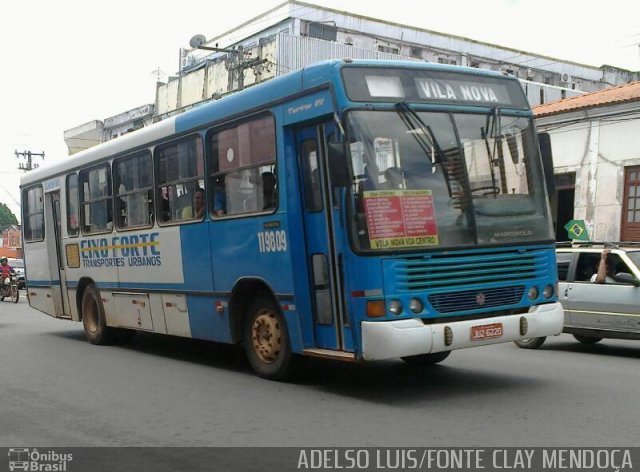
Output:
x=577 y=230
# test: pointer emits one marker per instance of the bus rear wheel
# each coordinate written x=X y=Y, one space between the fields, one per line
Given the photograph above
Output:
x=266 y=340
x=93 y=318
x=426 y=359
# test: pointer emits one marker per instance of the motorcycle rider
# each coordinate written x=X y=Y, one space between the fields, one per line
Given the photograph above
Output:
x=5 y=269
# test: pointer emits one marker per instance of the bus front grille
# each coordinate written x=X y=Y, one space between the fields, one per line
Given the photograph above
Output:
x=471 y=280
x=460 y=270
x=474 y=299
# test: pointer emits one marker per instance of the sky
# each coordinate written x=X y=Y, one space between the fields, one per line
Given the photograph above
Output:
x=68 y=62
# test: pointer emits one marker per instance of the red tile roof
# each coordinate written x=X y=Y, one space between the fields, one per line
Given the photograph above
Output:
x=609 y=96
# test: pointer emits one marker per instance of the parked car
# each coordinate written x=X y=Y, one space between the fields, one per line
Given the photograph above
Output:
x=18 y=266
x=595 y=311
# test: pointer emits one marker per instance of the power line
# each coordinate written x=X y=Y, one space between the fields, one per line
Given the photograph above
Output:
x=10 y=195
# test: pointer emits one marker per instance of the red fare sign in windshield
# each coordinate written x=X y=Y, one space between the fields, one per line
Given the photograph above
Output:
x=400 y=218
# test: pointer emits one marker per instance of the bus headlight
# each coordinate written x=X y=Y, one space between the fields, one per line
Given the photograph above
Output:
x=395 y=307
x=415 y=305
x=533 y=293
x=548 y=291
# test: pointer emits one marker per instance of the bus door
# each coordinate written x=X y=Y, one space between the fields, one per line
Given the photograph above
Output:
x=322 y=241
x=56 y=263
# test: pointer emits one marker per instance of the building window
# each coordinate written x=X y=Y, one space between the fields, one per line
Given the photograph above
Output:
x=446 y=60
x=388 y=49
x=180 y=171
x=243 y=176
x=73 y=222
x=475 y=64
x=323 y=31
x=96 y=200
x=631 y=205
x=33 y=207
x=415 y=52
x=134 y=191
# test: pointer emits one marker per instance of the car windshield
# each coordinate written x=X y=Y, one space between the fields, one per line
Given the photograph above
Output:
x=437 y=179
x=635 y=257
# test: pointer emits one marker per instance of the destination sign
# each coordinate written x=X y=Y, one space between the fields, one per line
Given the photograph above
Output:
x=453 y=90
x=432 y=86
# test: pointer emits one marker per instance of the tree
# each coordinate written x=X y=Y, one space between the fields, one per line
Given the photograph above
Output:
x=6 y=216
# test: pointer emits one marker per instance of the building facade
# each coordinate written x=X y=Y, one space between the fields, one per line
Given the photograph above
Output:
x=95 y=132
x=595 y=141
x=11 y=242
x=295 y=34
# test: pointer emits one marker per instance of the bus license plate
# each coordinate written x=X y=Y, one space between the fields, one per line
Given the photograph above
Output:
x=482 y=332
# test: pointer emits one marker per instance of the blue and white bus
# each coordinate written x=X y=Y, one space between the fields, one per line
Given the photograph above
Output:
x=354 y=210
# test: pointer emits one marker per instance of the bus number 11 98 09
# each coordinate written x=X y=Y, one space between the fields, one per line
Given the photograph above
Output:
x=272 y=241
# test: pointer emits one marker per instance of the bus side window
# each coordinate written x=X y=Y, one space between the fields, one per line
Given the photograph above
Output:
x=311 y=175
x=96 y=199
x=242 y=165
x=134 y=191
x=73 y=224
x=180 y=177
x=33 y=210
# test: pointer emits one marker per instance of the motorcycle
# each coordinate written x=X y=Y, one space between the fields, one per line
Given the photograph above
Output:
x=9 y=288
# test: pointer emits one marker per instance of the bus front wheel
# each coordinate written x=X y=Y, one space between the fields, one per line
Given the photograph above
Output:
x=530 y=343
x=426 y=359
x=93 y=318
x=266 y=340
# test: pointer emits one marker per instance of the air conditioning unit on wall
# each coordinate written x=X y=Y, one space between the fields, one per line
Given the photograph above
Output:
x=564 y=77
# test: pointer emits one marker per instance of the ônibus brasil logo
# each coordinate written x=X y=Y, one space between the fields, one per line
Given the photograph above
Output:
x=23 y=458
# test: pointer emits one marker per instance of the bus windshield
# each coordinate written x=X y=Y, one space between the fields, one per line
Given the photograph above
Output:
x=442 y=179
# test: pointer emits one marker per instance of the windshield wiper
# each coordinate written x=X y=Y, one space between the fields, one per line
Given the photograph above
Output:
x=425 y=138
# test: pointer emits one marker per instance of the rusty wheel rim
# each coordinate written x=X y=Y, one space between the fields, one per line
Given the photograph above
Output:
x=90 y=316
x=266 y=336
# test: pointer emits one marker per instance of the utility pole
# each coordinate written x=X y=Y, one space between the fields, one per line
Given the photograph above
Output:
x=29 y=164
x=236 y=63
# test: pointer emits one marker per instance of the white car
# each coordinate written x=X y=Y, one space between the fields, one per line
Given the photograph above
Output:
x=594 y=311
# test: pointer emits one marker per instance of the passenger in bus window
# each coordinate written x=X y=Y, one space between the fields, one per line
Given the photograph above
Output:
x=270 y=195
x=165 y=204
x=219 y=198
x=394 y=178
x=371 y=173
x=98 y=215
x=73 y=217
x=197 y=210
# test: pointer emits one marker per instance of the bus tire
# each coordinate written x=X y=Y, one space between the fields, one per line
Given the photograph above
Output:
x=587 y=339
x=426 y=359
x=93 y=318
x=266 y=340
x=530 y=343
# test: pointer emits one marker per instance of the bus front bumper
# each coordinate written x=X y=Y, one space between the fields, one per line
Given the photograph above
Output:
x=411 y=337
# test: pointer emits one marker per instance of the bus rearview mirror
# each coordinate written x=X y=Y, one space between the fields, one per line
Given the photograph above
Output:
x=544 y=139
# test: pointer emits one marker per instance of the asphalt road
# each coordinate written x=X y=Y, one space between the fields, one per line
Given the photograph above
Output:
x=58 y=390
